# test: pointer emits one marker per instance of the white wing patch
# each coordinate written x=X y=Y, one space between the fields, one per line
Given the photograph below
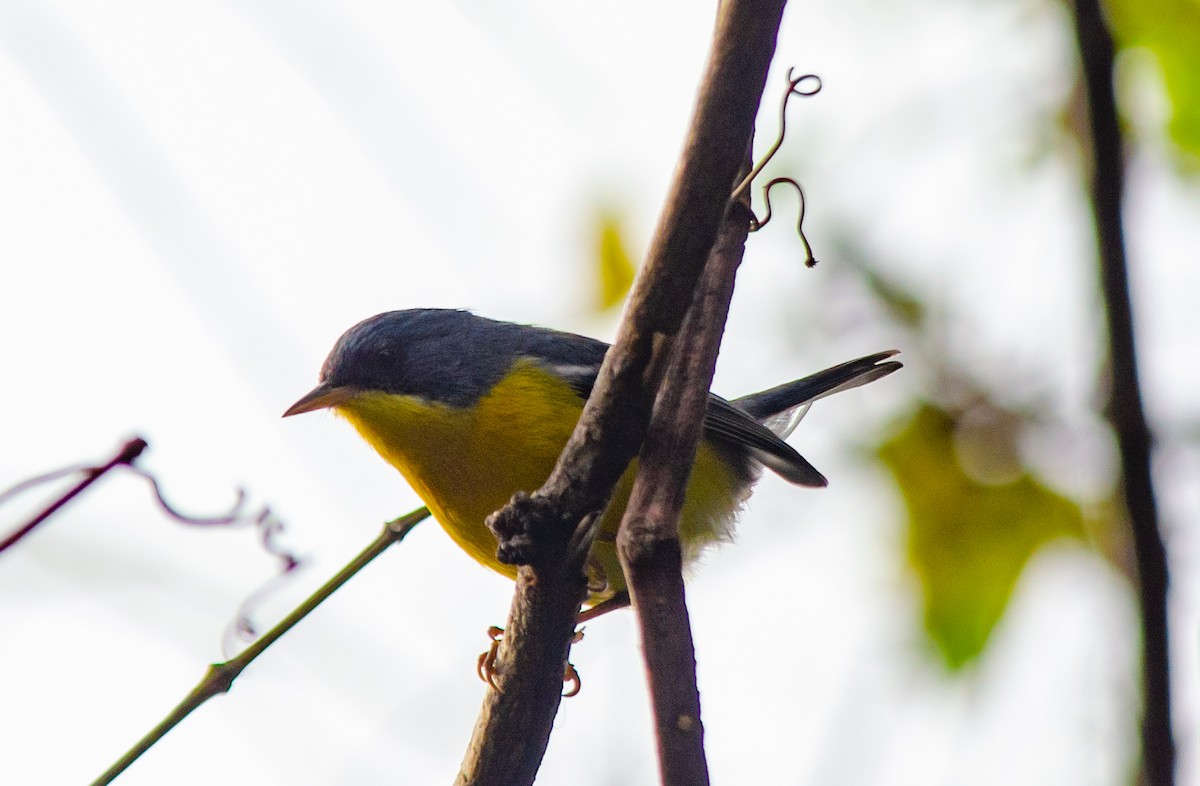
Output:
x=784 y=423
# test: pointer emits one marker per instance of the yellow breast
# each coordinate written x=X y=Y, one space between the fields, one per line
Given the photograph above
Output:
x=466 y=462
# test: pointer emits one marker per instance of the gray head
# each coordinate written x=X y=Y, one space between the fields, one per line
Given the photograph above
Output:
x=444 y=355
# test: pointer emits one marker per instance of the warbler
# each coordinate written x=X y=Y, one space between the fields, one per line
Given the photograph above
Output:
x=471 y=410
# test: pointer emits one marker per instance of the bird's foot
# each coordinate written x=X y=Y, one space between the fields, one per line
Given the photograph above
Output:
x=486 y=665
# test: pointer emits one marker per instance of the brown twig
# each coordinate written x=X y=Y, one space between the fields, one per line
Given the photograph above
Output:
x=648 y=541
x=125 y=456
x=1125 y=410
x=539 y=532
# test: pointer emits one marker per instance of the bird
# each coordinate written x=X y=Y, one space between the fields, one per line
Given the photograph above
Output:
x=472 y=410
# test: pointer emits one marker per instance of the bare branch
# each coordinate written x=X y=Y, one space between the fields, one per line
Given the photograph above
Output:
x=219 y=677
x=534 y=531
x=1125 y=410
x=648 y=541
x=124 y=457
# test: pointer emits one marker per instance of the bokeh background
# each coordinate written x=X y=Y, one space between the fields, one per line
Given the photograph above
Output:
x=197 y=198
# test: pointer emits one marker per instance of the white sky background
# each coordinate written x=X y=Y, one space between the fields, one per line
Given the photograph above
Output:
x=196 y=199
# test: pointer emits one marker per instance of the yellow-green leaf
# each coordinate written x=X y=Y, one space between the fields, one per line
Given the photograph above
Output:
x=1170 y=31
x=967 y=540
x=614 y=264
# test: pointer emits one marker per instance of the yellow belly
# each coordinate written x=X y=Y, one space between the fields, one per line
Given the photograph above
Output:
x=465 y=463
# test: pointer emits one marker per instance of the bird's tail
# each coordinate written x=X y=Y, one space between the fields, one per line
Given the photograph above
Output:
x=781 y=408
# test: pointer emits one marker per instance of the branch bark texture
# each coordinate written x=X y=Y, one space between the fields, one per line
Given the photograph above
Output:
x=648 y=542
x=1125 y=410
x=547 y=533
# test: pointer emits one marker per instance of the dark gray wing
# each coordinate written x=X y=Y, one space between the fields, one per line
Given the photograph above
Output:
x=727 y=426
x=727 y=423
x=737 y=426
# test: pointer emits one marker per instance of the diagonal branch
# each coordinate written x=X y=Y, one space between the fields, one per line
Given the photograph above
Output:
x=219 y=677
x=126 y=456
x=538 y=532
x=1125 y=410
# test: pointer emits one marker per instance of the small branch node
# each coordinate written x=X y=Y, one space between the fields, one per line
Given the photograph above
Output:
x=529 y=530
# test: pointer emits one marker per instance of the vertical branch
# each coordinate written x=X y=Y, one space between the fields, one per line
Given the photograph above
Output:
x=548 y=533
x=648 y=542
x=513 y=728
x=1125 y=409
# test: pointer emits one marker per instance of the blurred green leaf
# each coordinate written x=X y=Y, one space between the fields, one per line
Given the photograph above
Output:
x=968 y=540
x=903 y=306
x=1170 y=31
x=614 y=264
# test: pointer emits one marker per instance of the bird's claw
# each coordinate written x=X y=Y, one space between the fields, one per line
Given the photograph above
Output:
x=485 y=667
x=571 y=678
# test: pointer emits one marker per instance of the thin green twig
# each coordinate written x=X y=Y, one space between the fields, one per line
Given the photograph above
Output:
x=220 y=676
